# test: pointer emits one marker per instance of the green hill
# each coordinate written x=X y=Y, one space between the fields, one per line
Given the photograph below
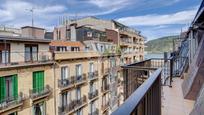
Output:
x=160 y=45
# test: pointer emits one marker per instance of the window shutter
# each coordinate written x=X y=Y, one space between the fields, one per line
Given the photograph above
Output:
x=38 y=81
x=15 y=86
x=2 y=89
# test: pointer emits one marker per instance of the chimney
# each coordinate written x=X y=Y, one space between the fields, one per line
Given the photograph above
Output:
x=73 y=31
x=33 y=32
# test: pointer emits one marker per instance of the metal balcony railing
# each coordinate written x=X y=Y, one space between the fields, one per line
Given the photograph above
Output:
x=105 y=88
x=80 y=102
x=67 y=108
x=80 y=79
x=12 y=102
x=144 y=98
x=9 y=58
x=93 y=75
x=40 y=92
x=64 y=83
x=142 y=86
x=93 y=94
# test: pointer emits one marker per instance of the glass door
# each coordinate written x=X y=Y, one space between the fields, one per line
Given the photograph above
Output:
x=39 y=109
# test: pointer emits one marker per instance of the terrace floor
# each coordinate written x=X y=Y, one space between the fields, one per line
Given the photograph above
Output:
x=173 y=102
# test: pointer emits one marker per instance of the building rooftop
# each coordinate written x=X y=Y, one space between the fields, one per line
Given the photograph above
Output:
x=23 y=39
x=66 y=43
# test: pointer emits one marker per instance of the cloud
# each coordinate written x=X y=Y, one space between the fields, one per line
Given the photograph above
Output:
x=182 y=17
x=110 y=4
x=14 y=13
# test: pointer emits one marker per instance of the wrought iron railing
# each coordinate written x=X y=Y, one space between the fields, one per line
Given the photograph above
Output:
x=93 y=94
x=63 y=83
x=40 y=92
x=12 y=101
x=145 y=100
x=142 y=86
x=9 y=58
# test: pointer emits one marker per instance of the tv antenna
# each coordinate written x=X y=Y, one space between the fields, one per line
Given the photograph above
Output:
x=32 y=12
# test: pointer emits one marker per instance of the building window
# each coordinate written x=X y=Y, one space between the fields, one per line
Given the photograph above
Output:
x=4 y=53
x=31 y=53
x=78 y=93
x=92 y=107
x=39 y=109
x=65 y=99
x=113 y=62
x=8 y=88
x=38 y=81
x=64 y=72
x=79 y=69
x=91 y=67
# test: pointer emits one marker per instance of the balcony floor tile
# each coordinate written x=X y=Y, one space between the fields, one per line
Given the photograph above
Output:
x=173 y=102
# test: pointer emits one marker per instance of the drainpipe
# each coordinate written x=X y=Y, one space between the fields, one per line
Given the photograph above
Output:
x=54 y=69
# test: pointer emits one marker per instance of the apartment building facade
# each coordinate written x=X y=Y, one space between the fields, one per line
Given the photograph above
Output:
x=128 y=40
x=39 y=76
x=26 y=76
x=84 y=82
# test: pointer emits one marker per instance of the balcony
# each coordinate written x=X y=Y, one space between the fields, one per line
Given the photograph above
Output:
x=93 y=75
x=80 y=102
x=75 y=55
x=105 y=88
x=105 y=106
x=105 y=71
x=25 y=59
x=96 y=112
x=12 y=103
x=39 y=93
x=64 y=84
x=80 y=79
x=145 y=91
x=93 y=94
x=68 y=109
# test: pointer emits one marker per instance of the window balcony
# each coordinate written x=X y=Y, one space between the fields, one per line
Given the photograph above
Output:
x=14 y=103
x=105 y=106
x=40 y=93
x=64 y=84
x=93 y=94
x=69 y=108
x=93 y=75
x=80 y=79
x=105 y=88
x=80 y=102
x=96 y=112
x=9 y=59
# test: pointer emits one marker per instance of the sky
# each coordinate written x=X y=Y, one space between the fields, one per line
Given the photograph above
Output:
x=154 y=18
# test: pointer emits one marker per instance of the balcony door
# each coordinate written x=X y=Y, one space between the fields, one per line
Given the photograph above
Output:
x=78 y=71
x=4 y=53
x=8 y=88
x=78 y=93
x=39 y=109
x=91 y=67
x=31 y=53
x=64 y=72
x=38 y=81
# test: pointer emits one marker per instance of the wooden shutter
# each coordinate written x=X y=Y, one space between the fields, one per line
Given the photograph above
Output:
x=2 y=89
x=38 y=81
x=15 y=86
